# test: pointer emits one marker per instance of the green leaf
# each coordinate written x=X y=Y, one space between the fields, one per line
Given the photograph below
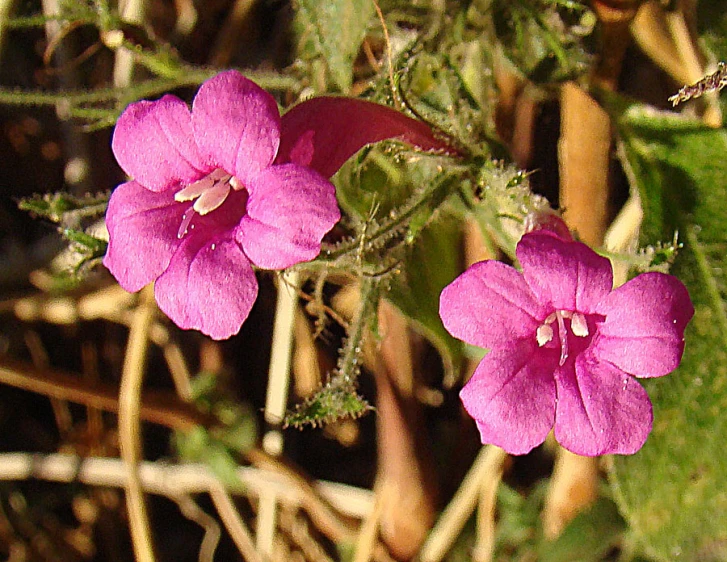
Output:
x=219 y=446
x=431 y=264
x=588 y=537
x=547 y=41
x=62 y=208
x=198 y=446
x=673 y=491
x=339 y=398
x=406 y=196
x=336 y=29
x=331 y=403
x=88 y=245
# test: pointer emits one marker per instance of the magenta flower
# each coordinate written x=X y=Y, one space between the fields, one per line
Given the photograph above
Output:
x=564 y=347
x=229 y=185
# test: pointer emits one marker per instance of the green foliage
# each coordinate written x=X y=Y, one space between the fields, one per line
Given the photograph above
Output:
x=672 y=492
x=333 y=402
x=218 y=447
x=518 y=529
x=72 y=214
x=588 y=537
x=501 y=201
x=548 y=41
x=100 y=107
x=434 y=88
x=334 y=30
x=63 y=208
x=338 y=398
x=395 y=199
x=432 y=263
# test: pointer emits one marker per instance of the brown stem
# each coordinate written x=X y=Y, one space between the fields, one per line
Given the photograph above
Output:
x=405 y=469
x=159 y=407
x=584 y=155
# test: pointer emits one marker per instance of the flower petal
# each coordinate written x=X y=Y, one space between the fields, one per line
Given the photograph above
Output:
x=209 y=286
x=568 y=275
x=289 y=211
x=236 y=125
x=643 y=332
x=323 y=132
x=490 y=305
x=511 y=396
x=142 y=229
x=153 y=143
x=600 y=409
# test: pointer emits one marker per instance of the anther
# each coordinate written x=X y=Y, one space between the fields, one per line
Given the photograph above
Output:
x=544 y=334
x=579 y=325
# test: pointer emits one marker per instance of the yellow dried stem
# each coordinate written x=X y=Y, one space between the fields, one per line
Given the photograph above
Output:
x=238 y=24
x=584 y=157
x=487 y=467
x=132 y=376
x=665 y=37
x=306 y=367
x=234 y=524
x=572 y=488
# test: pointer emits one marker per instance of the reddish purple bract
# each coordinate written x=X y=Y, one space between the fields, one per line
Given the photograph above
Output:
x=564 y=347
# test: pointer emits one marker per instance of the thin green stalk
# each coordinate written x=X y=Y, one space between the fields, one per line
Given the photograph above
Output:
x=338 y=398
x=437 y=192
x=187 y=76
x=348 y=365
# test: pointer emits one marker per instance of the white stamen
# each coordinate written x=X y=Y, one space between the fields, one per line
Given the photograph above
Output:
x=212 y=198
x=208 y=194
x=194 y=190
x=579 y=325
x=236 y=184
x=544 y=334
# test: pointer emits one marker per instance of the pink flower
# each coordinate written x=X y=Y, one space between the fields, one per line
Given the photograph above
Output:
x=564 y=347
x=229 y=185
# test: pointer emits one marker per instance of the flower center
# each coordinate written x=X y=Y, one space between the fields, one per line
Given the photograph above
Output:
x=208 y=194
x=576 y=325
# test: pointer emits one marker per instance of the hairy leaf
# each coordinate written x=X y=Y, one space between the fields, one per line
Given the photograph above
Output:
x=336 y=28
x=672 y=492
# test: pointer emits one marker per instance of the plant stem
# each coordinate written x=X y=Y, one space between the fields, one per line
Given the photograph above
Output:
x=436 y=192
x=132 y=376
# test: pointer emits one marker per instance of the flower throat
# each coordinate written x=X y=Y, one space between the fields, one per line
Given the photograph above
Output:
x=208 y=194
x=578 y=327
